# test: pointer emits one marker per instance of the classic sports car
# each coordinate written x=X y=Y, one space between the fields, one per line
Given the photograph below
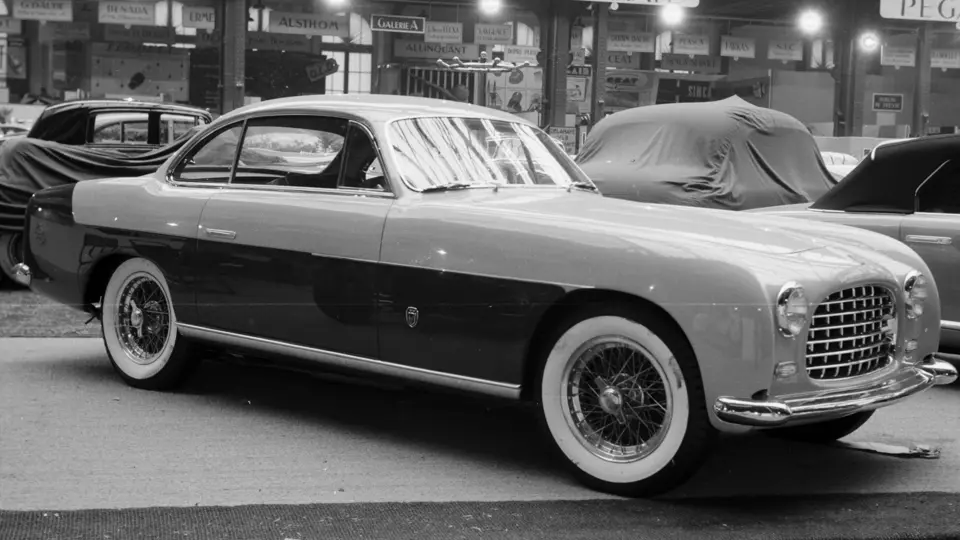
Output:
x=728 y=154
x=459 y=246
x=906 y=189
x=122 y=125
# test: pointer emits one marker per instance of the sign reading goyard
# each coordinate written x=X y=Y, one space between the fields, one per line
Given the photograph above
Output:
x=398 y=23
x=43 y=10
x=310 y=24
x=127 y=13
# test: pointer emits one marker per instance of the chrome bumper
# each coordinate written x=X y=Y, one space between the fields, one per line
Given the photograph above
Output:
x=834 y=403
x=22 y=275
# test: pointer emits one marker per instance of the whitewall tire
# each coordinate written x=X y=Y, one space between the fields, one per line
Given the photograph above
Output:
x=622 y=399
x=139 y=328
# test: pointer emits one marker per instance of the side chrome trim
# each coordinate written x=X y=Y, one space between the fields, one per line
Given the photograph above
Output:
x=950 y=325
x=220 y=233
x=921 y=239
x=370 y=365
x=832 y=404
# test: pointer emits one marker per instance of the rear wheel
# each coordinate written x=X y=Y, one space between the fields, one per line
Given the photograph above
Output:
x=10 y=255
x=139 y=328
x=622 y=398
x=823 y=432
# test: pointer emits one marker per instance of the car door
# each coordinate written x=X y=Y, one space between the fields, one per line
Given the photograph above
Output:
x=289 y=251
x=933 y=231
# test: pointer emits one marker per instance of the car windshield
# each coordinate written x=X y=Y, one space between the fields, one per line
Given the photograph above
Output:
x=433 y=152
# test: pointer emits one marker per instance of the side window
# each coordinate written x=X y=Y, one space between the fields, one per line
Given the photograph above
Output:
x=212 y=159
x=363 y=169
x=301 y=151
x=174 y=126
x=941 y=193
x=120 y=128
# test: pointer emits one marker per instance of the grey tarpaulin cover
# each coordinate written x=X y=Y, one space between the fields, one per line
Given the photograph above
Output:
x=28 y=165
x=725 y=154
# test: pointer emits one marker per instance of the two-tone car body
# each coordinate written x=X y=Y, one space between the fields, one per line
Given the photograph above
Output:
x=908 y=189
x=459 y=246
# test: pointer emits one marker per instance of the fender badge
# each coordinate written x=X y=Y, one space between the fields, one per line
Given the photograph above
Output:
x=413 y=317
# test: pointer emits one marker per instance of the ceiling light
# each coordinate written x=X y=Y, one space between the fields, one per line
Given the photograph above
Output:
x=811 y=22
x=869 y=41
x=672 y=14
x=490 y=7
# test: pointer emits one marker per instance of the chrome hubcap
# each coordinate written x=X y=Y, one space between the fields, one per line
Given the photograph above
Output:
x=143 y=319
x=618 y=400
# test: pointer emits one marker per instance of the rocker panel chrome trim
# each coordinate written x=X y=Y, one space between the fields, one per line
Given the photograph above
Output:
x=458 y=382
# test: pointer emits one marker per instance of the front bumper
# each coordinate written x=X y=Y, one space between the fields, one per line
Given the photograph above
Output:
x=836 y=403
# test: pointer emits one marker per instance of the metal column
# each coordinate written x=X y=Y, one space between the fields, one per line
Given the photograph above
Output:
x=233 y=46
x=921 y=91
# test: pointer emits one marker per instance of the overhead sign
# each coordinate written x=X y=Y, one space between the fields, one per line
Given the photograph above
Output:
x=199 y=17
x=691 y=44
x=698 y=64
x=681 y=3
x=310 y=24
x=493 y=34
x=888 y=102
x=265 y=41
x=634 y=42
x=408 y=48
x=65 y=31
x=738 y=47
x=622 y=60
x=9 y=25
x=443 y=32
x=898 y=56
x=127 y=13
x=43 y=10
x=921 y=10
x=518 y=54
x=398 y=23
x=785 y=50
x=945 y=59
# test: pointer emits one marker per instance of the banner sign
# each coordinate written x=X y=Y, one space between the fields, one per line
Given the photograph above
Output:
x=43 y=10
x=443 y=32
x=137 y=13
x=398 y=23
x=310 y=24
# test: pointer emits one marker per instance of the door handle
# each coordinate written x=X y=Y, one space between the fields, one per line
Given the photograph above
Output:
x=920 y=239
x=220 y=233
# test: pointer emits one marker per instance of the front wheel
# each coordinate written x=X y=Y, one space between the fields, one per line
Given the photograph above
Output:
x=622 y=397
x=10 y=255
x=140 y=328
x=823 y=432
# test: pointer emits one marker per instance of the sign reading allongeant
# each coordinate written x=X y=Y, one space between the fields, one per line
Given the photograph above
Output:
x=888 y=102
x=398 y=23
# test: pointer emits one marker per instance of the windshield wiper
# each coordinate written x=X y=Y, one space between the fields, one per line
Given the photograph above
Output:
x=582 y=185
x=450 y=187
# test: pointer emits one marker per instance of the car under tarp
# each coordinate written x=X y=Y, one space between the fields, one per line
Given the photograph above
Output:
x=28 y=165
x=726 y=154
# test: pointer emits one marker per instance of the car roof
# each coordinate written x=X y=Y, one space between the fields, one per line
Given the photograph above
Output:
x=123 y=103
x=374 y=108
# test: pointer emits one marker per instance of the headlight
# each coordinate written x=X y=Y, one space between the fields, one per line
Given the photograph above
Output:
x=914 y=294
x=791 y=309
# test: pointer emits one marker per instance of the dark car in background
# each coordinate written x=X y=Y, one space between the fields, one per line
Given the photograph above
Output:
x=124 y=125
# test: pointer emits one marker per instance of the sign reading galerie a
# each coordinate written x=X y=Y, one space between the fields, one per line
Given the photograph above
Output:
x=127 y=13
x=310 y=24
x=43 y=10
x=199 y=17
x=408 y=48
x=443 y=32
x=397 y=23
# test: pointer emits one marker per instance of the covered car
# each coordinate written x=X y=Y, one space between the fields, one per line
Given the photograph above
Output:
x=28 y=165
x=725 y=154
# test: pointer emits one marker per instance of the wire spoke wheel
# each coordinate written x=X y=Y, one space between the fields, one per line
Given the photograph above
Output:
x=618 y=401
x=143 y=318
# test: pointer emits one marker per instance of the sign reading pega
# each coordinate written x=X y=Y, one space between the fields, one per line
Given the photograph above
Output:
x=921 y=10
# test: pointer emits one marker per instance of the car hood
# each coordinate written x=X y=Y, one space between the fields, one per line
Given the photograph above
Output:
x=747 y=231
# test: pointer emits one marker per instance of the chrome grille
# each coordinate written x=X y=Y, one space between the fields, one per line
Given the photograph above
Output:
x=849 y=335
